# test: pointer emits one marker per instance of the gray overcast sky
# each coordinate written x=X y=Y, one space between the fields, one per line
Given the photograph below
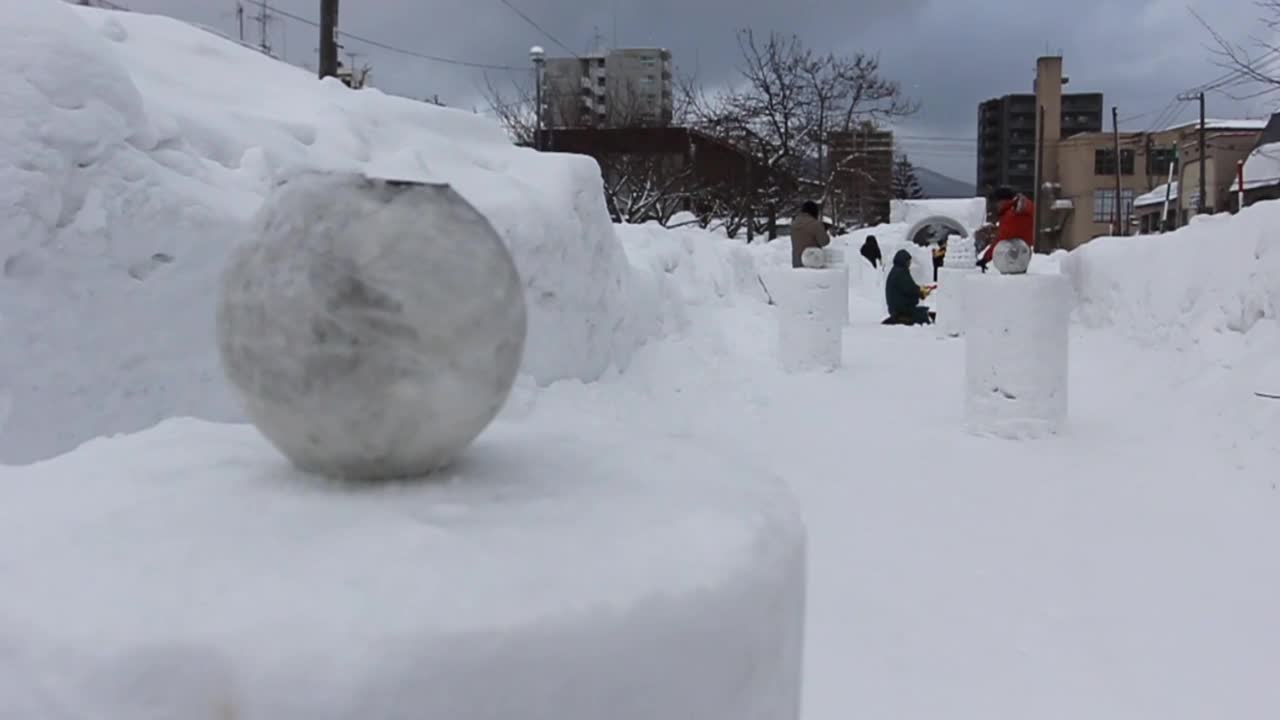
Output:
x=948 y=54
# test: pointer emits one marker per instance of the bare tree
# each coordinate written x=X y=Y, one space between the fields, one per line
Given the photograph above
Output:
x=1253 y=69
x=516 y=109
x=791 y=103
x=643 y=187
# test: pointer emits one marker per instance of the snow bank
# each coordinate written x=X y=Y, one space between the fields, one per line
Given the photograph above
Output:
x=1218 y=276
x=568 y=569
x=969 y=212
x=675 y=271
x=133 y=153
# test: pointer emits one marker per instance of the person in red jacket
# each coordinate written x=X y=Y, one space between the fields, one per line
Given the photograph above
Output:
x=1016 y=215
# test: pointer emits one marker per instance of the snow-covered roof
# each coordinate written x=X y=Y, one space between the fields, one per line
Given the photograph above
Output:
x=1262 y=168
x=1157 y=196
x=1212 y=124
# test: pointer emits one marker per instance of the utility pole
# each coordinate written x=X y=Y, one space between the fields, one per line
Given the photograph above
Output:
x=240 y=18
x=1201 y=205
x=1037 y=192
x=264 y=19
x=1150 y=149
x=328 y=66
x=1187 y=97
x=1115 y=131
x=539 y=58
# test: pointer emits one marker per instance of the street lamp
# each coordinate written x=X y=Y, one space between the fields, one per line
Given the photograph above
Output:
x=539 y=58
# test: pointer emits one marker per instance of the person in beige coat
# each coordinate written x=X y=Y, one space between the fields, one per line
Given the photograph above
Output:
x=807 y=231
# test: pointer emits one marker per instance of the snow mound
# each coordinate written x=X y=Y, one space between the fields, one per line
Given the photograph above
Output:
x=565 y=570
x=133 y=154
x=1218 y=276
x=676 y=271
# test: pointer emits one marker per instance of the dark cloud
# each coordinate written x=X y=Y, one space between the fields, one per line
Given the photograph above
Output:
x=948 y=54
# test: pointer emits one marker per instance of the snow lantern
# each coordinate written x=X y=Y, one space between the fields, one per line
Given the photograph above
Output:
x=372 y=328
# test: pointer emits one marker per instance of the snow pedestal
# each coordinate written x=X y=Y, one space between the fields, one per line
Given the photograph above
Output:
x=1016 y=353
x=812 y=307
x=561 y=571
x=949 y=300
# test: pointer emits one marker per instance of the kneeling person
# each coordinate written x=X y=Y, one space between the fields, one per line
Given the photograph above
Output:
x=903 y=295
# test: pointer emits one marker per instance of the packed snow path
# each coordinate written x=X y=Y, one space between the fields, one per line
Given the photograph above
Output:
x=1125 y=570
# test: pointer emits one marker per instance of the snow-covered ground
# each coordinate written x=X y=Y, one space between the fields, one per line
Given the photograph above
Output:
x=1126 y=569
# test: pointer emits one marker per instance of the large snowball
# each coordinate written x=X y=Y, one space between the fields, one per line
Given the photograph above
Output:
x=372 y=328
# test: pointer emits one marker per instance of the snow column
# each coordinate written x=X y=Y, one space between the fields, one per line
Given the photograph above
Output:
x=568 y=569
x=1016 y=353
x=949 y=300
x=812 y=306
x=836 y=261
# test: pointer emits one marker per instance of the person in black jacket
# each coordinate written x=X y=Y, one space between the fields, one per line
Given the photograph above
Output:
x=871 y=251
x=903 y=295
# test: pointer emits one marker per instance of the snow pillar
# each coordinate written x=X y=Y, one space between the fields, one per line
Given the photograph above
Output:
x=567 y=570
x=836 y=261
x=812 y=307
x=1016 y=353
x=949 y=300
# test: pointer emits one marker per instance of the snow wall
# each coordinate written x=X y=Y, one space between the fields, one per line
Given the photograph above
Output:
x=969 y=212
x=132 y=156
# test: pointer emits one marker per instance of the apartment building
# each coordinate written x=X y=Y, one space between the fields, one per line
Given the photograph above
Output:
x=863 y=174
x=625 y=87
x=1007 y=136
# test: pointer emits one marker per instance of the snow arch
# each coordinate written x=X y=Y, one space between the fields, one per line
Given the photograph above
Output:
x=921 y=231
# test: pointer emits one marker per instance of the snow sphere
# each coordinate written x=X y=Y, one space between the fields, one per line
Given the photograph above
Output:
x=813 y=258
x=372 y=328
x=1012 y=257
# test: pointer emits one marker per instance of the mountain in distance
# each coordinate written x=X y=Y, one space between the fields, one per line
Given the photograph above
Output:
x=937 y=185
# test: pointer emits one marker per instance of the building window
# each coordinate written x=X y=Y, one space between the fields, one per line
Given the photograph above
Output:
x=1104 y=162
x=1104 y=205
x=1161 y=159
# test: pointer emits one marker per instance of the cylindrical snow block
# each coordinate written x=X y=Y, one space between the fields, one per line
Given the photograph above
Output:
x=812 y=309
x=1017 y=330
x=565 y=570
x=949 y=301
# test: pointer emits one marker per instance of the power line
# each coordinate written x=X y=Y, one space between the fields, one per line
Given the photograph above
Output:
x=399 y=50
x=539 y=28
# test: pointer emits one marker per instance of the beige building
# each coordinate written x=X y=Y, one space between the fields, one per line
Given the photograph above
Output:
x=1076 y=198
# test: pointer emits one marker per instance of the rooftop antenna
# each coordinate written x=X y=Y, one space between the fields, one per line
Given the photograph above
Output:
x=615 y=24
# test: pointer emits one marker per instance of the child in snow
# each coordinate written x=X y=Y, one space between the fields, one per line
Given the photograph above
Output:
x=903 y=295
x=871 y=251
